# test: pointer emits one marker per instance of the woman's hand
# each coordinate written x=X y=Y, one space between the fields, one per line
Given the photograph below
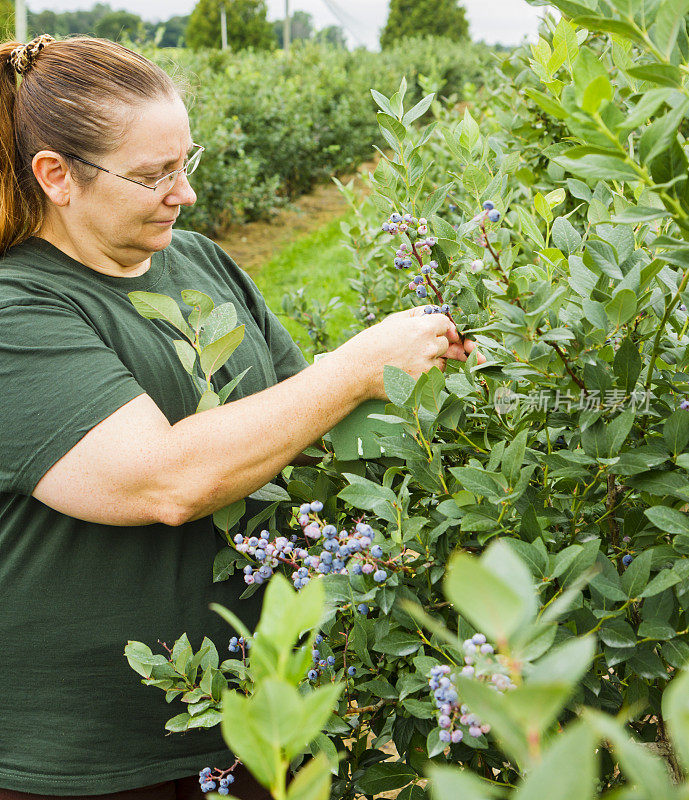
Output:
x=411 y=340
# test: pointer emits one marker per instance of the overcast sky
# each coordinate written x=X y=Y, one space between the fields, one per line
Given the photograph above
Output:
x=504 y=21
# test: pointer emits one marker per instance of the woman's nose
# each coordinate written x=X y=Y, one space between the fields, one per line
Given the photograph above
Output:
x=181 y=193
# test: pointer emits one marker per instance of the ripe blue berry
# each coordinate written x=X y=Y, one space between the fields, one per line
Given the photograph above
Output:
x=351 y=671
x=223 y=790
x=627 y=560
x=418 y=279
x=362 y=608
x=445 y=736
x=318 y=639
x=426 y=269
x=494 y=215
x=488 y=205
x=312 y=675
x=304 y=508
x=330 y=660
x=380 y=575
x=444 y=308
x=316 y=506
x=421 y=292
x=376 y=551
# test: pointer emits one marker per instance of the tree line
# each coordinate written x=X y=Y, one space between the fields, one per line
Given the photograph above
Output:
x=247 y=25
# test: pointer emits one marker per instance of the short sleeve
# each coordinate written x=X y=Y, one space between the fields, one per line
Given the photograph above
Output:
x=59 y=380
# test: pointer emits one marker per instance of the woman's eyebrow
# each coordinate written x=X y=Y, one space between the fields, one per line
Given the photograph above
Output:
x=155 y=164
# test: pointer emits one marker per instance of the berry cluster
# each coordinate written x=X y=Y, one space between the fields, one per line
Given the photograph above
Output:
x=489 y=211
x=237 y=644
x=208 y=783
x=480 y=663
x=338 y=553
x=320 y=665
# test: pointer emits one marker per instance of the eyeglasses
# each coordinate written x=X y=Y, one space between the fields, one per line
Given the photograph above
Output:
x=166 y=182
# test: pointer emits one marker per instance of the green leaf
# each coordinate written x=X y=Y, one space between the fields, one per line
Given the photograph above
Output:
x=209 y=399
x=159 y=306
x=636 y=575
x=676 y=431
x=662 y=581
x=668 y=519
x=668 y=19
x=219 y=322
x=385 y=777
x=565 y=236
x=270 y=493
x=635 y=214
x=627 y=365
x=607 y=25
x=312 y=782
x=455 y=783
x=622 y=307
x=547 y=103
x=566 y=771
x=398 y=643
x=662 y=74
x=675 y=706
x=398 y=384
x=179 y=723
x=418 y=110
x=529 y=228
x=227 y=389
x=566 y=663
x=391 y=124
x=514 y=457
x=496 y=605
x=637 y=764
x=580 y=161
x=202 y=305
x=214 y=355
x=186 y=353
x=382 y=102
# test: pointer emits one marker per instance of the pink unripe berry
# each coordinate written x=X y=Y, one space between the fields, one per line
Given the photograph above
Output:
x=485 y=728
x=474 y=731
x=303 y=520
x=412 y=287
x=423 y=221
x=367 y=569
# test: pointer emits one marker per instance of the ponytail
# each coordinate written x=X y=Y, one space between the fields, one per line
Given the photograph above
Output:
x=20 y=211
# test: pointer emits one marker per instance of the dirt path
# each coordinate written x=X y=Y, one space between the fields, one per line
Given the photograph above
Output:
x=253 y=244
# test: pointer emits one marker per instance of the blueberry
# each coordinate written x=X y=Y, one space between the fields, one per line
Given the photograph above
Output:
x=238 y=539
x=330 y=660
x=312 y=675
x=377 y=551
x=684 y=405
x=627 y=560
x=223 y=790
x=317 y=506
x=421 y=292
x=456 y=736
x=304 y=508
x=426 y=269
x=444 y=736
x=444 y=308
x=318 y=639
x=362 y=608
x=494 y=215
x=380 y=575
x=329 y=531
x=488 y=205
x=351 y=671
x=385 y=226
x=230 y=778
x=418 y=279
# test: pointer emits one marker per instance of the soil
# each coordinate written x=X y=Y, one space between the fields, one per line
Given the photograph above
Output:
x=253 y=244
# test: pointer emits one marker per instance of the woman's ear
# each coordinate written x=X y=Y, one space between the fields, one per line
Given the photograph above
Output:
x=52 y=173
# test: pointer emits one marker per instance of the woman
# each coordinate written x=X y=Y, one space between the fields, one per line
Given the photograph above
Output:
x=108 y=478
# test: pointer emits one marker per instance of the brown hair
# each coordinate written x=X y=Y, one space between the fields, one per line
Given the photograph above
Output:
x=70 y=100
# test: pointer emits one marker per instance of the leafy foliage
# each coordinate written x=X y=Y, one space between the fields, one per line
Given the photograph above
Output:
x=539 y=499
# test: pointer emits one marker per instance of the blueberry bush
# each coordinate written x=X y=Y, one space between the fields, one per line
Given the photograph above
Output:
x=273 y=125
x=505 y=589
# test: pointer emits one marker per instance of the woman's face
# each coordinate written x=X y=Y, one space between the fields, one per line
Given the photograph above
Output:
x=123 y=220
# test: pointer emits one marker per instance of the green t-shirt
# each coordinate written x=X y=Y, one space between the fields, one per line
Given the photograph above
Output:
x=73 y=349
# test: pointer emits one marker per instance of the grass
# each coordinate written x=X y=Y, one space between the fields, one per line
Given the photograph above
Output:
x=319 y=262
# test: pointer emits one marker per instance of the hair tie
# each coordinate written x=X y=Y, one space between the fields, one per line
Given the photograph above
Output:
x=22 y=58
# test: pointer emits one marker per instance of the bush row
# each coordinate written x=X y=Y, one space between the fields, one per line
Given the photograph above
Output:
x=273 y=125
